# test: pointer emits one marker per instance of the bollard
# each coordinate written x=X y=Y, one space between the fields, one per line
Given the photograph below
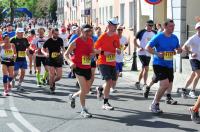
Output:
x=134 y=64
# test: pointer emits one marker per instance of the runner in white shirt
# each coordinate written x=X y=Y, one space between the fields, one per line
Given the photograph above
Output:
x=64 y=36
x=119 y=56
x=192 y=45
x=144 y=36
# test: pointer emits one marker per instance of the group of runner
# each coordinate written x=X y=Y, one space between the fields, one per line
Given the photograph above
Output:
x=83 y=51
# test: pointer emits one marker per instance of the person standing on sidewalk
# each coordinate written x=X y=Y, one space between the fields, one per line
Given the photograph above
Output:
x=192 y=45
x=80 y=63
x=106 y=46
x=164 y=46
x=53 y=49
x=21 y=45
x=144 y=37
x=119 y=57
x=194 y=111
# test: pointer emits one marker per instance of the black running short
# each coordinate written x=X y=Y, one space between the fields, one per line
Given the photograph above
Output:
x=145 y=60
x=163 y=73
x=40 y=60
x=108 y=72
x=83 y=72
x=195 y=64
x=7 y=63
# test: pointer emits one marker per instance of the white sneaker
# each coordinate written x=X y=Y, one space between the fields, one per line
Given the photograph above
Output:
x=107 y=106
x=192 y=94
x=113 y=90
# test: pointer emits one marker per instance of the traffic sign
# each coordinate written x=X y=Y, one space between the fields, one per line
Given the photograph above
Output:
x=153 y=2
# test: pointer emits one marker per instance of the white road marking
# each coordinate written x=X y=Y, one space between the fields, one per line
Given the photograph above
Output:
x=14 y=127
x=3 y=113
x=20 y=118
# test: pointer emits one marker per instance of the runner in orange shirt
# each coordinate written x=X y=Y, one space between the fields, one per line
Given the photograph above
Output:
x=106 y=46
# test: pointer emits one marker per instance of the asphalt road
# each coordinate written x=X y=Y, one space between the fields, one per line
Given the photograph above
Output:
x=37 y=111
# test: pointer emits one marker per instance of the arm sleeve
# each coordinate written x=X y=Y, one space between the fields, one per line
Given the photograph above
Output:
x=45 y=44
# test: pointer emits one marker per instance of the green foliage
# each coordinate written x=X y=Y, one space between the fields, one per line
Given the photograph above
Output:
x=39 y=8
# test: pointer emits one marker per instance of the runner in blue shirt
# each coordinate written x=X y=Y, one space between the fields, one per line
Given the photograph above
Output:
x=164 y=46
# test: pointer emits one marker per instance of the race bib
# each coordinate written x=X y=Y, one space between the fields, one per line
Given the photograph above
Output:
x=110 y=58
x=9 y=52
x=54 y=54
x=21 y=54
x=121 y=47
x=168 y=55
x=86 y=60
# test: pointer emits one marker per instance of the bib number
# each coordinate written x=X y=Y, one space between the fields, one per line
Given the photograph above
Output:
x=54 y=54
x=121 y=47
x=110 y=58
x=168 y=55
x=9 y=52
x=86 y=60
x=21 y=54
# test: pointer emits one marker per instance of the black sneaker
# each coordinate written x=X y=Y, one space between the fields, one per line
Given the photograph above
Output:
x=107 y=106
x=137 y=85
x=146 y=92
x=73 y=102
x=30 y=72
x=169 y=100
x=99 y=92
x=43 y=81
x=184 y=93
x=52 y=90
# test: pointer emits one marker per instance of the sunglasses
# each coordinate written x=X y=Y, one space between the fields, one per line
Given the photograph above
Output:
x=119 y=29
x=150 y=25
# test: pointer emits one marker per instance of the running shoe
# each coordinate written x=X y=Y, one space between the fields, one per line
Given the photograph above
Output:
x=107 y=106
x=86 y=114
x=112 y=90
x=73 y=101
x=192 y=94
x=52 y=90
x=146 y=92
x=155 y=108
x=184 y=93
x=169 y=100
x=137 y=85
x=99 y=90
x=194 y=116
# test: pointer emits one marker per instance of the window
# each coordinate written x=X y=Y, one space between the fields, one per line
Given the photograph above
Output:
x=99 y=15
x=122 y=13
x=106 y=13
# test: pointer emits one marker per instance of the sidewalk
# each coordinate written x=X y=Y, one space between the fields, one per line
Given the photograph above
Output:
x=179 y=78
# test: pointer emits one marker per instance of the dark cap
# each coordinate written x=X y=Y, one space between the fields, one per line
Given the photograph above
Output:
x=86 y=27
x=150 y=22
x=32 y=31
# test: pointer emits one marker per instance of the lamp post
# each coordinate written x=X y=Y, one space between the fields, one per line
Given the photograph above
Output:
x=134 y=63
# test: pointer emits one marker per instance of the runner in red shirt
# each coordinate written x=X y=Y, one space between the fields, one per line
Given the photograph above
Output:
x=80 y=62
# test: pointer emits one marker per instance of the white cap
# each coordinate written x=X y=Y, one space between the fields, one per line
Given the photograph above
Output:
x=113 y=21
x=74 y=28
x=19 y=30
x=197 y=25
x=120 y=27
